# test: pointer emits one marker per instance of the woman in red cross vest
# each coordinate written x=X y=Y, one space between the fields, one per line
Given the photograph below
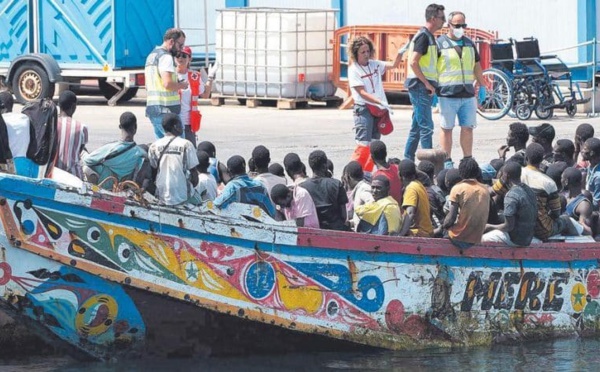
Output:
x=190 y=114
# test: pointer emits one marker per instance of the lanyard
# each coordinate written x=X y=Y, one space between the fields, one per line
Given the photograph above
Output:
x=368 y=75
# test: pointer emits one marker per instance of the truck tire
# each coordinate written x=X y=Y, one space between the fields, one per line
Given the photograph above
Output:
x=30 y=82
x=108 y=91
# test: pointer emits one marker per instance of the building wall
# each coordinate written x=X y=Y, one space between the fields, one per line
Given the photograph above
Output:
x=511 y=18
x=553 y=22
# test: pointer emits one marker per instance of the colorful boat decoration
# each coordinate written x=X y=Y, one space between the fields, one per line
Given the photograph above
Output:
x=110 y=275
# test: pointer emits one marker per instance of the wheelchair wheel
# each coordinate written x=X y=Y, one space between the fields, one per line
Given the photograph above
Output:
x=571 y=109
x=545 y=100
x=523 y=111
x=495 y=101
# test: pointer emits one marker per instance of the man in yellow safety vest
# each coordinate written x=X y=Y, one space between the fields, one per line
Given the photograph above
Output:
x=458 y=67
x=162 y=86
x=421 y=80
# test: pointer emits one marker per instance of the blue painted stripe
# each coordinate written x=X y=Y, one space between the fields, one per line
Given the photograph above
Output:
x=341 y=14
x=586 y=31
x=289 y=250
x=237 y=3
x=27 y=189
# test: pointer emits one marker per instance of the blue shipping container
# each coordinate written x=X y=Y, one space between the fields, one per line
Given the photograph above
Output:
x=84 y=33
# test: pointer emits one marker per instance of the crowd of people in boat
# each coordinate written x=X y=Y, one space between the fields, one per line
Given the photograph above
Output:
x=546 y=187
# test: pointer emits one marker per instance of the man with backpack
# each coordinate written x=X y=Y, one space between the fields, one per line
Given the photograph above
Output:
x=123 y=160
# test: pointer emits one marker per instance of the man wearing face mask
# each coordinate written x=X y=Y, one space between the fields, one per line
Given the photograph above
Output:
x=162 y=86
x=458 y=67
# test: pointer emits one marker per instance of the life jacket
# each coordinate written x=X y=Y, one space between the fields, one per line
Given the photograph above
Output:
x=195 y=81
x=156 y=94
x=427 y=63
x=455 y=71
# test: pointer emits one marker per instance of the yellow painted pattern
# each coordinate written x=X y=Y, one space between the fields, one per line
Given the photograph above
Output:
x=163 y=253
x=86 y=321
x=306 y=297
x=578 y=297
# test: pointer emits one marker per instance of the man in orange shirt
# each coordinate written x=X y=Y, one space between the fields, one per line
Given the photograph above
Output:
x=469 y=206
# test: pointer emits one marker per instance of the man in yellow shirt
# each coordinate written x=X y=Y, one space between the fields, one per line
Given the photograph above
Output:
x=417 y=220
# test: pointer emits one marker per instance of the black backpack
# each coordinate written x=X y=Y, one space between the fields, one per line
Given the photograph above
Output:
x=5 y=153
x=43 y=142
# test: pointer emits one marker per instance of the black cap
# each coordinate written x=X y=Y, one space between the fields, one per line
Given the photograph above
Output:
x=545 y=130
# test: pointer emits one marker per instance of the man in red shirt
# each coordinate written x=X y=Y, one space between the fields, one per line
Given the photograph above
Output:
x=385 y=168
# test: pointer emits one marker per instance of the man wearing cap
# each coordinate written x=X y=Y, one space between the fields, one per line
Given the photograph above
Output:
x=458 y=67
x=544 y=135
x=190 y=115
x=162 y=86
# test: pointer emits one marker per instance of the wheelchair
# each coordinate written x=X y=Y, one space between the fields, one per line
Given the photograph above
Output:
x=526 y=84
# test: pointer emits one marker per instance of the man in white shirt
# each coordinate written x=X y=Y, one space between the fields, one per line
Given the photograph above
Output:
x=262 y=158
x=175 y=159
x=17 y=127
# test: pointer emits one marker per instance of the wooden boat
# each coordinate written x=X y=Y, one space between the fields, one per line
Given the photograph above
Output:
x=114 y=277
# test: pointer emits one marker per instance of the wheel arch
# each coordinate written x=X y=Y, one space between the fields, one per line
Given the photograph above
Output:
x=46 y=61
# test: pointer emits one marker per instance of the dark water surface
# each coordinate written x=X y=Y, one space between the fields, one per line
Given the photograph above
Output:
x=560 y=355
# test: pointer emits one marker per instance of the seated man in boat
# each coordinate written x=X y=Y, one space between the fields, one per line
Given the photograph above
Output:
x=243 y=189
x=384 y=167
x=544 y=135
x=357 y=189
x=549 y=221
x=174 y=160
x=517 y=138
x=121 y=160
x=579 y=203
x=262 y=158
x=216 y=168
x=436 y=196
x=381 y=216
x=591 y=153
x=294 y=168
x=296 y=204
x=583 y=132
x=469 y=206
x=17 y=128
x=415 y=203
x=72 y=136
x=327 y=193
x=520 y=210
x=206 y=189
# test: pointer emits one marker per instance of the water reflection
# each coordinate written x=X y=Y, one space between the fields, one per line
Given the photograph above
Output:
x=561 y=355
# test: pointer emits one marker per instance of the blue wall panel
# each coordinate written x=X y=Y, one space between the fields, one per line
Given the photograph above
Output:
x=14 y=36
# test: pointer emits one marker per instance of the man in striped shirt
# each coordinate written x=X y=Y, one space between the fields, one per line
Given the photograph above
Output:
x=72 y=136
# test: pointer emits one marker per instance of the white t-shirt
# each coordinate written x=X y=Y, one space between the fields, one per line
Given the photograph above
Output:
x=172 y=184
x=369 y=77
x=17 y=128
x=207 y=185
x=186 y=100
x=269 y=180
x=166 y=63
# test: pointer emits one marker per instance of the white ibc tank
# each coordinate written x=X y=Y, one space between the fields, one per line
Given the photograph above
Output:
x=271 y=52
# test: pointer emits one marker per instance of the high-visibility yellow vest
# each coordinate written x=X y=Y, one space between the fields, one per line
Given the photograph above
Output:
x=455 y=72
x=428 y=61
x=156 y=94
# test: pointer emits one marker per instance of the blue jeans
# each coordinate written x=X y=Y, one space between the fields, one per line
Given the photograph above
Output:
x=156 y=121
x=422 y=121
x=156 y=114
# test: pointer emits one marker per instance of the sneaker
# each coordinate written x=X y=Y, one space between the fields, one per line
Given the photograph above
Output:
x=448 y=164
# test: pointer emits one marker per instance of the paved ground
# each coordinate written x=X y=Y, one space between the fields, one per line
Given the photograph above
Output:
x=235 y=129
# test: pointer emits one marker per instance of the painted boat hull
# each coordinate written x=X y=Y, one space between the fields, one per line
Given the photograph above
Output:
x=386 y=292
